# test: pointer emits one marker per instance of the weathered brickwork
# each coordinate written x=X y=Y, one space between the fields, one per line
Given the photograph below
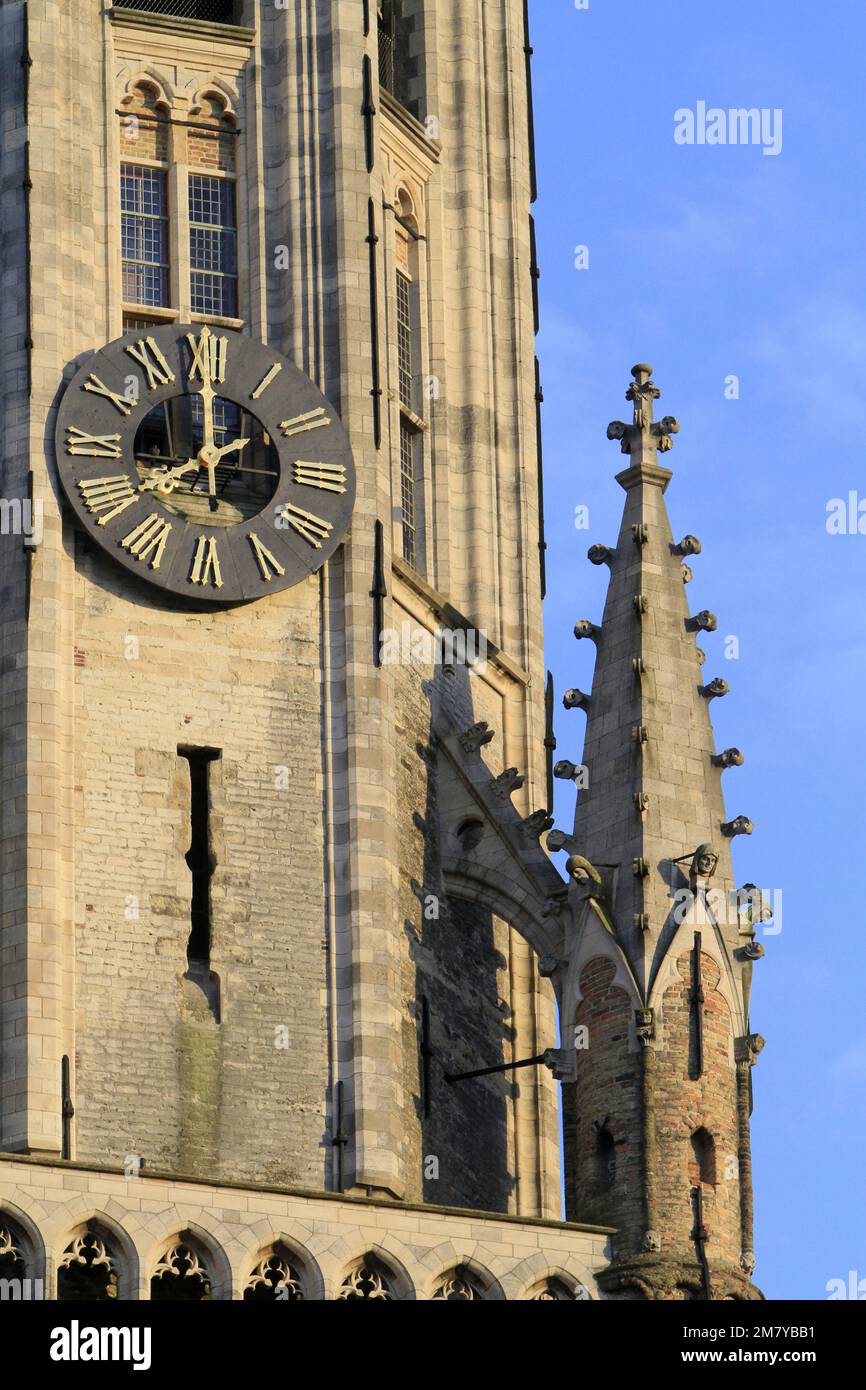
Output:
x=686 y=1106
x=155 y=1075
x=605 y=1168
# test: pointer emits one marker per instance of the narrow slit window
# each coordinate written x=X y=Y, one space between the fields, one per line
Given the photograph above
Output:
x=408 y=485
x=199 y=857
x=405 y=345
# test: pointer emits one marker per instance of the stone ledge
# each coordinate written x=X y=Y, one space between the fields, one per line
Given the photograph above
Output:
x=308 y=1194
x=176 y=24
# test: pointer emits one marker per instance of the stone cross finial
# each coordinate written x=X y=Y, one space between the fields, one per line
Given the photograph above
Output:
x=644 y=439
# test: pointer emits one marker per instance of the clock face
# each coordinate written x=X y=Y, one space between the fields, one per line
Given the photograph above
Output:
x=205 y=463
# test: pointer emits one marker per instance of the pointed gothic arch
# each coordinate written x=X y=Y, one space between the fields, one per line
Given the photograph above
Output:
x=96 y=1263
x=189 y=1266
x=281 y=1273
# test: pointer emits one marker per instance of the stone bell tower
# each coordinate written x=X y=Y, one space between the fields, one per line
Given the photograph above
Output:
x=268 y=919
x=657 y=1119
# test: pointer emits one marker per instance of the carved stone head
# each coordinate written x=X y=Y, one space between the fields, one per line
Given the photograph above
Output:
x=703 y=866
x=584 y=628
x=585 y=875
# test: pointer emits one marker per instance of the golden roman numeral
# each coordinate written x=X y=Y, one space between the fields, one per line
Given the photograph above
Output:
x=148 y=355
x=99 y=388
x=92 y=446
x=266 y=381
x=312 y=528
x=205 y=564
x=148 y=538
x=209 y=356
x=267 y=562
x=110 y=495
x=329 y=477
x=313 y=420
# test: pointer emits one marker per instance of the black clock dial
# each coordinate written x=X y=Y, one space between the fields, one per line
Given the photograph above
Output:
x=205 y=463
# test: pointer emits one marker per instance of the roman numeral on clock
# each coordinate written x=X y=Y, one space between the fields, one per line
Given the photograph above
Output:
x=109 y=495
x=313 y=420
x=312 y=528
x=205 y=563
x=266 y=381
x=328 y=477
x=268 y=564
x=148 y=355
x=99 y=388
x=93 y=446
x=209 y=356
x=148 y=540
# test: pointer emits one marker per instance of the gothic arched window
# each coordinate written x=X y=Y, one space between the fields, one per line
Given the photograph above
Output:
x=367 y=1279
x=13 y=1264
x=557 y=1291
x=181 y=1275
x=459 y=1286
x=702 y=1169
x=87 y=1272
x=275 y=1279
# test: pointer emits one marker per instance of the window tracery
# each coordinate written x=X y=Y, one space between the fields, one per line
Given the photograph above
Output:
x=87 y=1271
x=275 y=1278
x=181 y=1275
x=368 y=1279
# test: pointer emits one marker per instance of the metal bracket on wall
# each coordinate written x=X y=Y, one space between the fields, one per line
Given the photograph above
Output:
x=453 y=1077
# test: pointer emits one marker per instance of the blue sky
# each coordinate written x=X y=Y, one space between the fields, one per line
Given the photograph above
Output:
x=711 y=261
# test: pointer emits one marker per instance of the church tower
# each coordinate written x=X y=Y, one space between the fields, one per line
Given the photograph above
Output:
x=659 y=977
x=281 y=943
x=269 y=390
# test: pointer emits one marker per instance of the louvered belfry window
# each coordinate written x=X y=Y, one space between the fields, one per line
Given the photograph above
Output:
x=217 y=11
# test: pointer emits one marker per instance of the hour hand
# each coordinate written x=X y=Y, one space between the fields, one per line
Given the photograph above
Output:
x=232 y=448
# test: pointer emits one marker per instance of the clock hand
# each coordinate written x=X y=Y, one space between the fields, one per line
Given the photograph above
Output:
x=209 y=458
x=165 y=480
x=230 y=448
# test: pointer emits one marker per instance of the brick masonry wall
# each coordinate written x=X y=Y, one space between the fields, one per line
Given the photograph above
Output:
x=608 y=1093
x=684 y=1105
x=155 y=1075
x=605 y=1096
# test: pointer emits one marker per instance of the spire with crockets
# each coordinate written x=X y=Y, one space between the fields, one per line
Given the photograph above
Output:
x=653 y=791
x=660 y=966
